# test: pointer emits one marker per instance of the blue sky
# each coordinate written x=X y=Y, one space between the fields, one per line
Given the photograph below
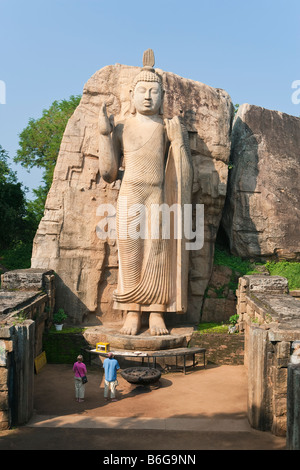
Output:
x=50 y=48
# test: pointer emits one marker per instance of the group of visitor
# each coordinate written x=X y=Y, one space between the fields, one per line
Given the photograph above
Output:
x=110 y=366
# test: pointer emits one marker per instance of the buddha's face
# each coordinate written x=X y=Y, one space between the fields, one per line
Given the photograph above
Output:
x=147 y=98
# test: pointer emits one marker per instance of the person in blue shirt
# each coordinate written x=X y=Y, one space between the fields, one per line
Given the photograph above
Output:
x=110 y=366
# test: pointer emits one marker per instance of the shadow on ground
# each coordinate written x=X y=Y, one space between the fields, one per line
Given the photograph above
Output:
x=202 y=410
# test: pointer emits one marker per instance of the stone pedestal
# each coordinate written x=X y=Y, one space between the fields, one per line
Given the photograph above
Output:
x=179 y=337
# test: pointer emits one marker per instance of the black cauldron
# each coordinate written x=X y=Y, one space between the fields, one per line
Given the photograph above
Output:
x=141 y=375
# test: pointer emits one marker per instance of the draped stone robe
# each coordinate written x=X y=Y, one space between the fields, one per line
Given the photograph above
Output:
x=148 y=267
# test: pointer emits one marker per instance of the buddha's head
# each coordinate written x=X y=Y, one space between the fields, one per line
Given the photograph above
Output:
x=147 y=92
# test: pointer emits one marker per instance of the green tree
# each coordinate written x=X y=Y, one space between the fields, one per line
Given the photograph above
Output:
x=14 y=226
x=39 y=146
x=6 y=174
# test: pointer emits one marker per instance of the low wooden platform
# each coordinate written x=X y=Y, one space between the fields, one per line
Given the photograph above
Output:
x=178 y=352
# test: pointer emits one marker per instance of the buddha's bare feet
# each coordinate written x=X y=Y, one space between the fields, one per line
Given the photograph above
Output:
x=132 y=323
x=157 y=324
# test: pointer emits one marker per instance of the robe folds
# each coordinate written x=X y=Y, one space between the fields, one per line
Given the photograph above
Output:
x=153 y=262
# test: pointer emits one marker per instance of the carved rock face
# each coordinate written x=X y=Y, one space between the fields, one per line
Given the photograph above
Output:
x=261 y=215
x=66 y=240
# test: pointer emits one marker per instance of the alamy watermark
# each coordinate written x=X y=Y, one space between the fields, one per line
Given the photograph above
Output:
x=2 y=92
x=159 y=221
x=296 y=94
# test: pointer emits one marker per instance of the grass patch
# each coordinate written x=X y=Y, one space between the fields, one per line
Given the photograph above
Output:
x=241 y=266
x=210 y=328
x=288 y=269
x=66 y=330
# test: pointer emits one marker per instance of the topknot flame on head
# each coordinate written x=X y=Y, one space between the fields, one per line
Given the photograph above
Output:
x=147 y=73
x=148 y=59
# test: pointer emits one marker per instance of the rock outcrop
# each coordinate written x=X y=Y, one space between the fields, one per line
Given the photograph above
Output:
x=262 y=209
x=66 y=241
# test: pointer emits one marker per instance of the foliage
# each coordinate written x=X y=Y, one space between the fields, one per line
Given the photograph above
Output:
x=223 y=258
x=16 y=226
x=211 y=327
x=39 y=146
x=236 y=108
x=12 y=210
x=40 y=142
x=59 y=316
x=35 y=208
x=17 y=257
x=66 y=330
x=239 y=266
x=6 y=174
x=234 y=319
x=20 y=317
x=288 y=269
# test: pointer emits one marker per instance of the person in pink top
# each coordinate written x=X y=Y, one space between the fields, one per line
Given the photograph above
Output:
x=80 y=371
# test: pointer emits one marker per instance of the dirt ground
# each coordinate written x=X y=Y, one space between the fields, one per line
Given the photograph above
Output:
x=202 y=410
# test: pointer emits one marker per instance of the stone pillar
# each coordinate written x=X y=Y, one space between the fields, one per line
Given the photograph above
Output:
x=293 y=407
x=5 y=378
x=278 y=386
x=258 y=395
x=17 y=345
x=24 y=347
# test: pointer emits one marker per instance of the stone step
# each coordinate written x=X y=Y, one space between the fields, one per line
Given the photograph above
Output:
x=115 y=422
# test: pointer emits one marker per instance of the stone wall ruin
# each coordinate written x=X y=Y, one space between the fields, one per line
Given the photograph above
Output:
x=26 y=305
x=270 y=320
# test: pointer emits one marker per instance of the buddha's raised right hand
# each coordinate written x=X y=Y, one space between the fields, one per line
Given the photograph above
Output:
x=174 y=130
x=104 y=125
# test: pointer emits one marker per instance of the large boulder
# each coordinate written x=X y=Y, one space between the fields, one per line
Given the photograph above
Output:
x=66 y=241
x=262 y=209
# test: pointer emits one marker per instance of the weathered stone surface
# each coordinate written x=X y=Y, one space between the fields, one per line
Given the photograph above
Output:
x=27 y=304
x=295 y=293
x=218 y=310
x=220 y=301
x=4 y=420
x=267 y=284
x=24 y=340
x=26 y=294
x=3 y=378
x=66 y=240
x=262 y=215
x=24 y=279
x=270 y=319
x=220 y=348
x=14 y=300
x=293 y=412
